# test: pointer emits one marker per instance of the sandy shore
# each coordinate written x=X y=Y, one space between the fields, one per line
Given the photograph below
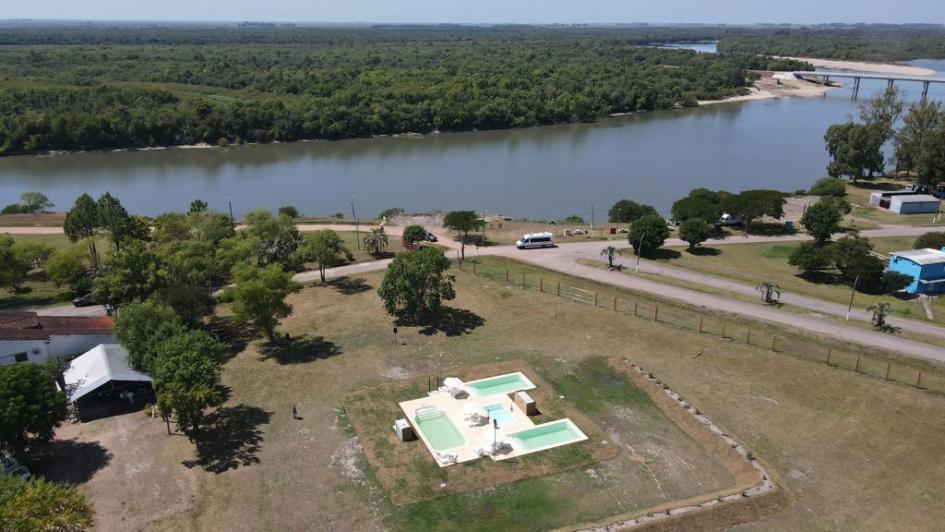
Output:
x=776 y=85
x=863 y=66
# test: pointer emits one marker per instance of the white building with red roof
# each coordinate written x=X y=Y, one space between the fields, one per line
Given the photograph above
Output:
x=29 y=337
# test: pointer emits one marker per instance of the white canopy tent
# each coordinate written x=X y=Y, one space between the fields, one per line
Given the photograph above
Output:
x=97 y=367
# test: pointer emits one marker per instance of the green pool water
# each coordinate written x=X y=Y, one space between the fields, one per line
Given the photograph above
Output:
x=512 y=382
x=547 y=435
x=439 y=430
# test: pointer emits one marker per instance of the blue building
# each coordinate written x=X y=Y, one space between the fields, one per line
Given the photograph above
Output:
x=925 y=266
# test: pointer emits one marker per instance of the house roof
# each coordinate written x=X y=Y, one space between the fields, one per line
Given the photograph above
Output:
x=916 y=198
x=31 y=326
x=922 y=256
x=98 y=366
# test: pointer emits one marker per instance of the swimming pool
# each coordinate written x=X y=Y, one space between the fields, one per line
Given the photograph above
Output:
x=546 y=436
x=499 y=413
x=511 y=382
x=438 y=429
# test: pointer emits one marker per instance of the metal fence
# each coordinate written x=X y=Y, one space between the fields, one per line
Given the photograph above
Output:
x=865 y=362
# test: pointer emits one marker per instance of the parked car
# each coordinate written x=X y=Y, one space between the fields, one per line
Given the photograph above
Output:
x=430 y=237
x=85 y=300
x=9 y=466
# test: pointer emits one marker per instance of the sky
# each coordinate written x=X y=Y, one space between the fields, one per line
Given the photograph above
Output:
x=486 y=11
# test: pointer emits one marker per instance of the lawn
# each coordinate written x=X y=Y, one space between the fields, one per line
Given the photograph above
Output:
x=857 y=453
x=506 y=232
x=754 y=263
x=39 y=290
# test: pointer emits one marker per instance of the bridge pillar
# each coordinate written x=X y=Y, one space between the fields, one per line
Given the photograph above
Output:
x=856 y=88
x=925 y=90
x=889 y=84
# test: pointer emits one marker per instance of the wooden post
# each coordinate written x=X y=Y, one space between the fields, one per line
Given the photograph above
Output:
x=774 y=343
x=595 y=299
x=558 y=289
x=829 y=351
x=541 y=285
x=474 y=267
x=918 y=380
x=723 y=329
x=656 y=313
x=523 y=281
x=856 y=368
x=748 y=337
x=506 y=275
x=888 y=365
x=635 y=304
x=615 y=303
x=700 y=323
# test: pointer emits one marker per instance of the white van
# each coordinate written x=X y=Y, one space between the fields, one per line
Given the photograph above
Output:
x=537 y=240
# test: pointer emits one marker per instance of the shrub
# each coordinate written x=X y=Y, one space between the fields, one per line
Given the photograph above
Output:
x=810 y=257
x=934 y=240
x=695 y=231
x=390 y=213
x=647 y=234
x=574 y=219
x=289 y=211
x=829 y=186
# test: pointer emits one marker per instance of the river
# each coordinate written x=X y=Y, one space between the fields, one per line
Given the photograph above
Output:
x=542 y=172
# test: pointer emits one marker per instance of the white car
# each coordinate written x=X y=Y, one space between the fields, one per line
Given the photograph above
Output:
x=537 y=240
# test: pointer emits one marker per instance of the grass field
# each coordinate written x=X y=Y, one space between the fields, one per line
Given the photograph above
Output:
x=39 y=290
x=857 y=453
x=865 y=217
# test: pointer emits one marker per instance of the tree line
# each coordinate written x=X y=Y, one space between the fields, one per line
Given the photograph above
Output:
x=115 y=90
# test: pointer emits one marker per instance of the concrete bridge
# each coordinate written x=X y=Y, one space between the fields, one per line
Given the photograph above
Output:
x=824 y=76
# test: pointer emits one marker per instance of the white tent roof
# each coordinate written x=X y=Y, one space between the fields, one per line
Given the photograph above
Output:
x=101 y=364
x=922 y=256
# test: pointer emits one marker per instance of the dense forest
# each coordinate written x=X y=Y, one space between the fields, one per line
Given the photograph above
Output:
x=82 y=88
x=864 y=43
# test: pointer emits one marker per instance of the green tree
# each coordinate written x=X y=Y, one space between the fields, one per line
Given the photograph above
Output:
x=259 y=296
x=115 y=219
x=573 y=219
x=700 y=203
x=277 y=237
x=82 y=222
x=882 y=112
x=324 y=247
x=934 y=240
x=37 y=504
x=186 y=379
x=413 y=234
x=375 y=241
x=822 y=220
x=289 y=211
x=610 y=252
x=30 y=407
x=463 y=222
x=188 y=272
x=34 y=254
x=880 y=312
x=695 y=231
x=930 y=160
x=416 y=283
x=812 y=257
x=749 y=205
x=387 y=214
x=210 y=226
x=855 y=151
x=829 y=186
x=198 y=206
x=647 y=233
x=171 y=226
x=627 y=211
x=922 y=120
x=129 y=275
x=35 y=202
x=140 y=327
x=854 y=259
x=70 y=267
x=13 y=269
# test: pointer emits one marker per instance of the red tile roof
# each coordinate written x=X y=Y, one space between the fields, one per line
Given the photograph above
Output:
x=30 y=326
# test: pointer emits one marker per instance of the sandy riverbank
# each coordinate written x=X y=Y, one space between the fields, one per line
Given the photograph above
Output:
x=776 y=85
x=864 y=66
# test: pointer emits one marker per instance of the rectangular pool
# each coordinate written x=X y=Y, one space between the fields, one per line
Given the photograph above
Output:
x=549 y=435
x=511 y=382
x=438 y=429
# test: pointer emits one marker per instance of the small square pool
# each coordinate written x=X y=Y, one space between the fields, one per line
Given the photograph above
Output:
x=500 y=414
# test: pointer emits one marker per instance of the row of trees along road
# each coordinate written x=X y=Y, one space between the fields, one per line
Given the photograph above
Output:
x=856 y=147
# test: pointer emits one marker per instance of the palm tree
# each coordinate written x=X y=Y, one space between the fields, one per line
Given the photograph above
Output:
x=375 y=241
x=610 y=252
x=770 y=292
x=880 y=311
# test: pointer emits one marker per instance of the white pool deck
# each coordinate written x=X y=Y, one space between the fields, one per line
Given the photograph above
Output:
x=478 y=437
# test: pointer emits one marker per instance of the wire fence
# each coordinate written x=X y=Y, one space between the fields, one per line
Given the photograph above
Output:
x=864 y=363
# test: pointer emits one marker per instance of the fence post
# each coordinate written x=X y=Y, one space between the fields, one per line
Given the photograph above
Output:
x=748 y=337
x=595 y=299
x=635 y=308
x=700 y=323
x=460 y=265
x=856 y=368
x=474 y=267
x=723 y=329
x=506 y=275
x=918 y=380
x=524 y=285
x=541 y=285
x=656 y=313
x=888 y=365
x=558 y=289
x=615 y=303
x=829 y=351
x=774 y=343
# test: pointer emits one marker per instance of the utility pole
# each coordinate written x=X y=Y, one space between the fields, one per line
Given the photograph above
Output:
x=592 y=218
x=357 y=226
x=639 y=250
x=853 y=293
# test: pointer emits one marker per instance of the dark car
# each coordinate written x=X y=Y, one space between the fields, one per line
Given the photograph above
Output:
x=84 y=300
x=430 y=237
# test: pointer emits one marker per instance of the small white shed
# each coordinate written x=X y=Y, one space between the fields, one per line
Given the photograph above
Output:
x=914 y=204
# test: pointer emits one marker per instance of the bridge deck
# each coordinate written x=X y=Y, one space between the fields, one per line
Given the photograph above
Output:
x=865 y=75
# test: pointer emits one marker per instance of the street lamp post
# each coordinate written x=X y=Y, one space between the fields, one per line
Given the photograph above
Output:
x=853 y=293
x=639 y=250
x=357 y=226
